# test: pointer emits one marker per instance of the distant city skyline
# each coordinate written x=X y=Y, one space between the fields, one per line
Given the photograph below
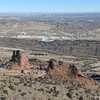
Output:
x=50 y=6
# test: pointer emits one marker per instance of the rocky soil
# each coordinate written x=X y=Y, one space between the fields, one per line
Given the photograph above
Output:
x=27 y=88
x=44 y=87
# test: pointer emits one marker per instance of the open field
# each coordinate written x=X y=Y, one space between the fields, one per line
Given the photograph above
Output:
x=86 y=48
x=48 y=27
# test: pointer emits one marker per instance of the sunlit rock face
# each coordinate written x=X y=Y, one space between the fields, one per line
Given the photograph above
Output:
x=20 y=62
x=70 y=72
x=24 y=60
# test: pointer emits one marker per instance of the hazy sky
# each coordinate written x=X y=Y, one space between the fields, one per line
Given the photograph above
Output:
x=49 y=5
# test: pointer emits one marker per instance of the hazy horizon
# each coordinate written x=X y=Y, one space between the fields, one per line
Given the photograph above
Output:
x=49 y=6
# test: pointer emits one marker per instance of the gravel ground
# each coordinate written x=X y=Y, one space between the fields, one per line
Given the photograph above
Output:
x=27 y=88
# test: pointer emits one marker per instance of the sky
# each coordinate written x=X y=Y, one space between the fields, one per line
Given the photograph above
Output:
x=65 y=6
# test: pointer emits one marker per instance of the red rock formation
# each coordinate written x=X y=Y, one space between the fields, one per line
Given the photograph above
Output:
x=21 y=62
x=70 y=72
x=85 y=82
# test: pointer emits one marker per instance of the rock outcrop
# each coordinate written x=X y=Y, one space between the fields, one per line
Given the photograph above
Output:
x=70 y=72
x=20 y=62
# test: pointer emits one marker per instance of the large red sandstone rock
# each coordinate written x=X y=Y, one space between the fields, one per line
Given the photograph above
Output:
x=24 y=61
x=71 y=72
x=22 y=64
